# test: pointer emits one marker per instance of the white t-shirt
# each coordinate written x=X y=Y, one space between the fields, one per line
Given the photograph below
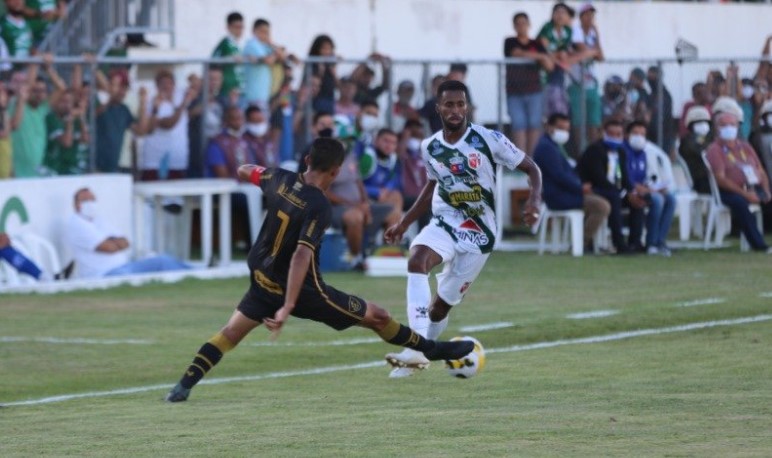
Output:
x=83 y=237
x=161 y=142
x=465 y=172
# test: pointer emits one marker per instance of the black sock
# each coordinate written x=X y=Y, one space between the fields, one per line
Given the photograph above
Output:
x=207 y=357
x=398 y=334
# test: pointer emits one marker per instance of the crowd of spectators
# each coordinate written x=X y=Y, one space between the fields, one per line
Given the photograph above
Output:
x=251 y=112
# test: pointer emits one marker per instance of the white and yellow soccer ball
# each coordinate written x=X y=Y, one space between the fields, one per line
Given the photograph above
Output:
x=469 y=365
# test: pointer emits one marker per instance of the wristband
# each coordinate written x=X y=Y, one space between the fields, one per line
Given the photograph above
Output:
x=254 y=177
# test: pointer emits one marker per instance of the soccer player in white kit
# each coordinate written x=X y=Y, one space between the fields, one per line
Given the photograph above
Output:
x=461 y=161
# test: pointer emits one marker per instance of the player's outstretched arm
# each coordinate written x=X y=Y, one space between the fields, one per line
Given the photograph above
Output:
x=245 y=173
x=421 y=206
x=534 y=199
x=301 y=260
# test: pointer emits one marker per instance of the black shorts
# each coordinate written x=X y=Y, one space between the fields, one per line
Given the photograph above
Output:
x=327 y=305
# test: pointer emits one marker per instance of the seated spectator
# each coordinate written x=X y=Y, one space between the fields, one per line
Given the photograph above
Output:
x=638 y=96
x=692 y=145
x=368 y=121
x=20 y=262
x=728 y=104
x=345 y=105
x=739 y=175
x=100 y=251
x=228 y=150
x=556 y=37
x=649 y=181
x=15 y=30
x=699 y=98
x=412 y=165
x=114 y=118
x=323 y=126
x=258 y=139
x=602 y=165
x=615 y=104
x=525 y=98
x=402 y=109
x=324 y=98
x=761 y=137
x=68 y=138
x=229 y=47
x=363 y=77
x=381 y=173
x=562 y=187
x=429 y=111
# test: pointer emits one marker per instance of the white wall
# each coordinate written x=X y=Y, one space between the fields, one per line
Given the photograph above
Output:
x=475 y=29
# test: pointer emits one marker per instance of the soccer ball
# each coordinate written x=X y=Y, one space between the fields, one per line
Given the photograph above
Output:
x=469 y=365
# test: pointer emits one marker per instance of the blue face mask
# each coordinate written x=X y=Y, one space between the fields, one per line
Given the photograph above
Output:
x=612 y=142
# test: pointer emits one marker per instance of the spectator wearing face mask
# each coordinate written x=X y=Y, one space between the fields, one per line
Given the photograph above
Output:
x=614 y=103
x=413 y=167
x=700 y=97
x=228 y=150
x=562 y=187
x=740 y=176
x=382 y=174
x=99 y=250
x=761 y=137
x=258 y=140
x=698 y=137
x=367 y=122
x=650 y=186
x=744 y=98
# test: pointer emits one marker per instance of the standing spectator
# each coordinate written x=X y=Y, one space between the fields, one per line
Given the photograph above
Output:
x=9 y=122
x=229 y=47
x=429 y=111
x=761 y=137
x=744 y=97
x=412 y=164
x=204 y=122
x=41 y=15
x=15 y=30
x=258 y=140
x=556 y=36
x=638 y=96
x=228 y=150
x=324 y=100
x=661 y=109
x=114 y=118
x=346 y=106
x=649 y=182
x=525 y=100
x=700 y=97
x=458 y=72
x=615 y=103
x=583 y=78
x=717 y=85
x=363 y=77
x=261 y=54
x=28 y=135
x=403 y=109
x=563 y=189
x=381 y=173
x=602 y=165
x=740 y=176
x=68 y=138
x=165 y=149
x=697 y=138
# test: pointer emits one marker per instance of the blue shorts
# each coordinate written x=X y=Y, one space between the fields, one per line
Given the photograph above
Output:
x=525 y=110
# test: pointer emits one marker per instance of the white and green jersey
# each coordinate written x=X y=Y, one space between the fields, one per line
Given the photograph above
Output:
x=465 y=172
x=17 y=36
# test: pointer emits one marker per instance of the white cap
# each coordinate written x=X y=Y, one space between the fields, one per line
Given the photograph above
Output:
x=696 y=113
x=728 y=104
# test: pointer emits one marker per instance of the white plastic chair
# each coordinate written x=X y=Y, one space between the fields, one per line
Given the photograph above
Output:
x=690 y=206
x=39 y=250
x=563 y=221
x=719 y=222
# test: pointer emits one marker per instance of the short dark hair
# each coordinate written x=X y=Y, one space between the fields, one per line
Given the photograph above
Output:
x=325 y=154
x=412 y=122
x=369 y=103
x=635 y=124
x=458 y=67
x=612 y=122
x=385 y=131
x=519 y=15
x=251 y=109
x=555 y=117
x=260 y=22
x=320 y=114
x=452 y=85
x=234 y=17
x=560 y=5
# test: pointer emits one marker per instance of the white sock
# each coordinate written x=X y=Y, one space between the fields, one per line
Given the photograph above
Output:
x=436 y=328
x=419 y=295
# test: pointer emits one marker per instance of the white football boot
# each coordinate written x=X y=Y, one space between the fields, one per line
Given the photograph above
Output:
x=407 y=358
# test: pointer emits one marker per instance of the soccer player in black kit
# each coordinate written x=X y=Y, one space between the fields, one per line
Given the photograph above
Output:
x=284 y=267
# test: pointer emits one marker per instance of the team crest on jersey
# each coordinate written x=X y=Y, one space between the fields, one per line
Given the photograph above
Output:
x=457 y=165
x=474 y=160
x=475 y=142
x=436 y=148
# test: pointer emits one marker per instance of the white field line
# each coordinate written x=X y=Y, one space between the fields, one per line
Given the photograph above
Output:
x=486 y=327
x=593 y=314
x=767 y=294
x=75 y=340
x=328 y=369
x=706 y=301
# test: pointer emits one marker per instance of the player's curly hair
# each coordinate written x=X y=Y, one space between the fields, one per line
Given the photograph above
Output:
x=325 y=154
x=452 y=85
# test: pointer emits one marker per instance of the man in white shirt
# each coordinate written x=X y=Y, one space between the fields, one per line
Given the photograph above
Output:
x=99 y=251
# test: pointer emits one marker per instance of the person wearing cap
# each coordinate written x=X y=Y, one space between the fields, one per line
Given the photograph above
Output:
x=615 y=103
x=698 y=136
x=583 y=77
x=700 y=97
x=740 y=177
x=761 y=136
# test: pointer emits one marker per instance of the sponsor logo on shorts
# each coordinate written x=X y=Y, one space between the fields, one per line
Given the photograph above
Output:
x=354 y=305
x=464 y=287
x=422 y=312
x=476 y=238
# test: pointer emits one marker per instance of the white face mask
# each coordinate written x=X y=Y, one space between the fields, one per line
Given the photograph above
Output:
x=369 y=123
x=559 y=136
x=88 y=209
x=258 y=129
x=236 y=132
x=728 y=133
x=413 y=144
x=701 y=128
x=638 y=142
x=747 y=92
x=103 y=97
